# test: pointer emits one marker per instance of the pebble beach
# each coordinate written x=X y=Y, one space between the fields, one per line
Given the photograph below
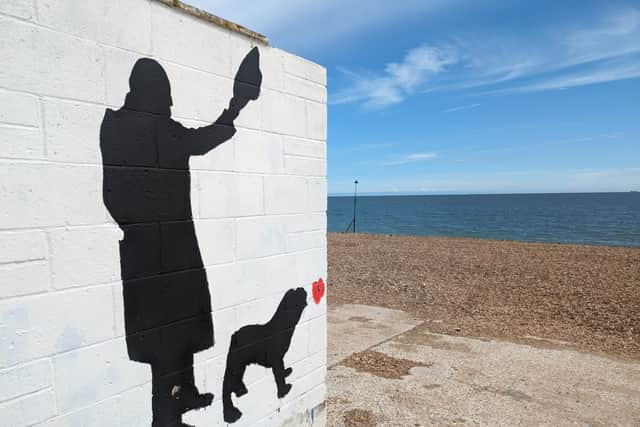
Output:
x=584 y=297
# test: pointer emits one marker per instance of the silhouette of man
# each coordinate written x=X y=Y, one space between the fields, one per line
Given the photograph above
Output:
x=146 y=189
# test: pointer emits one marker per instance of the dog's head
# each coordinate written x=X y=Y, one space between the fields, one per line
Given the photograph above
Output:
x=295 y=299
x=291 y=307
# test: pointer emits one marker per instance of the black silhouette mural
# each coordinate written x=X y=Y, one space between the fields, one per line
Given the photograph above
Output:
x=146 y=188
x=264 y=345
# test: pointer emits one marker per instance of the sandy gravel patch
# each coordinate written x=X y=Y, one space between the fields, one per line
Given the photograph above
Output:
x=549 y=295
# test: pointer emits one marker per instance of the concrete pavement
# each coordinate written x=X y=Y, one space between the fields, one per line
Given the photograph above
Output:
x=387 y=369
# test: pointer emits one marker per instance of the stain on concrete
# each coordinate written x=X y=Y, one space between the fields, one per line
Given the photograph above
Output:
x=404 y=346
x=335 y=400
x=361 y=319
x=432 y=386
x=381 y=365
x=508 y=392
x=420 y=336
x=359 y=418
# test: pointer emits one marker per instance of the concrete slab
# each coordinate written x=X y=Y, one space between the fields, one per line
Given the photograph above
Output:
x=355 y=328
x=464 y=381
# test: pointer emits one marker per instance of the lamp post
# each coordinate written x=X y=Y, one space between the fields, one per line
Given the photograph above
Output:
x=355 y=197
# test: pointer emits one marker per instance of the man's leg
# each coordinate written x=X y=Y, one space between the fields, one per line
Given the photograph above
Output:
x=166 y=410
x=188 y=394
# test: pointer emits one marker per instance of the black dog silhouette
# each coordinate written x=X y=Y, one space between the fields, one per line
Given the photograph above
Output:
x=146 y=188
x=264 y=345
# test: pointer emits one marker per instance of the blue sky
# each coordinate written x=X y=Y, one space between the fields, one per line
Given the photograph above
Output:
x=452 y=96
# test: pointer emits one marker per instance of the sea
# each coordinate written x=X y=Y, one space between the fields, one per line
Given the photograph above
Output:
x=583 y=218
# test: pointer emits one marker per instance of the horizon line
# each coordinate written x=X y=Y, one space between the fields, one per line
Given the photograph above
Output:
x=462 y=193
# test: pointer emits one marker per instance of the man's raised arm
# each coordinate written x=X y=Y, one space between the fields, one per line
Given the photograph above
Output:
x=246 y=87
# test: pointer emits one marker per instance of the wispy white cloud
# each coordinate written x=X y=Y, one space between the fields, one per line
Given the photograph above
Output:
x=596 y=52
x=461 y=107
x=399 y=80
x=582 y=78
x=410 y=158
x=617 y=34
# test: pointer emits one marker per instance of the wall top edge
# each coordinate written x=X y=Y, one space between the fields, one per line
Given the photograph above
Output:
x=216 y=20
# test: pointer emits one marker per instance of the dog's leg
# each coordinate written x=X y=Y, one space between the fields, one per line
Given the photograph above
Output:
x=240 y=389
x=230 y=412
x=279 y=374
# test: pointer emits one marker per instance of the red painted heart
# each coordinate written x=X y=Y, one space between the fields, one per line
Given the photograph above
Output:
x=318 y=290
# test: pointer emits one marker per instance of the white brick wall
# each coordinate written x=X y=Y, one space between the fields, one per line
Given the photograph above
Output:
x=259 y=203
